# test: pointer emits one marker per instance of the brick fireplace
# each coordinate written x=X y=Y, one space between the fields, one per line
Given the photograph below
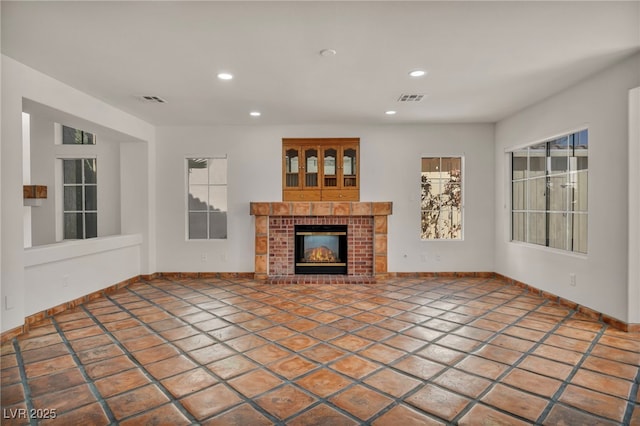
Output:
x=275 y=223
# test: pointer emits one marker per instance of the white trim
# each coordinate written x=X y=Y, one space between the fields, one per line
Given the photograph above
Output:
x=518 y=147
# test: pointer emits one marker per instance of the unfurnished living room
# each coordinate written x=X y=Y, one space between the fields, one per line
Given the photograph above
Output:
x=320 y=213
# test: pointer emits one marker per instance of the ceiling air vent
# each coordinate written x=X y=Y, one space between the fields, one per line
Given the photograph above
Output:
x=410 y=98
x=152 y=99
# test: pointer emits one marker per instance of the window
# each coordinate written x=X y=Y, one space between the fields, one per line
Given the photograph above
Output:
x=207 y=198
x=441 y=206
x=549 y=193
x=71 y=136
x=80 y=208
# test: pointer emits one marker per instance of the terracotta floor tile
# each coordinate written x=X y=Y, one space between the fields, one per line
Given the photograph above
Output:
x=351 y=343
x=189 y=382
x=374 y=333
x=285 y=402
x=49 y=366
x=496 y=353
x=39 y=354
x=227 y=333
x=136 y=401
x=594 y=402
x=132 y=333
x=618 y=355
x=81 y=333
x=322 y=415
x=405 y=343
x=483 y=367
x=28 y=343
x=255 y=383
x=423 y=333
x=441 y=354
x=419 y=367
x=92 y=414
x=298 y=342
x=480 y=415
x=90 y=342
x=108 y=367
x=524 y=333
x=462 y=383
x=292 y=367
x=239 y=416
x=616 y=342
x=515 y=402
x=459 y=343
x=65 y=400
x=532 y=382
x=170 y=367
x=392 y=383
x=210 y=401
x=601 y=383
x=167 y=414
x=612 y=368
x=382 y=353
x=302 y=325
x=143 y=343
x=245 y=343
x=545 y=367
x=121 y=382
x=99 y=353
x=361 y=402
x=276 y=333
x=323 y=353
x=354 y=366
x=212 y=353
x=348 y=324
x=154 y=354
x=561 y=415
x=394 y=324
x=232 y=366
x=513 y=343
x=212 y=324
x=196 y=341
x=9 y=376
x=11 y=394
x=438 y=401
x=179 y=333
x=267 y=354
x=323 y=382
x=405 y=416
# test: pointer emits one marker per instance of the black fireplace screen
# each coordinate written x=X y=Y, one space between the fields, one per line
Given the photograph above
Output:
x=321 y=249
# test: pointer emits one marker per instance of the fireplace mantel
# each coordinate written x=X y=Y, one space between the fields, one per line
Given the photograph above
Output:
x=274 y=223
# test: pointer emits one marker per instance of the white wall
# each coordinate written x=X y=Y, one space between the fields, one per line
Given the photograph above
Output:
x=634 y=206
x=20 y=82
x=601 y=104
x=44 y=151
x=390 y=171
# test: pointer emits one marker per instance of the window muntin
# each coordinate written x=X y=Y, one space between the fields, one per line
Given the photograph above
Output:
x=71 y=136
x=549 y=188
x=80 y=198
x=441 y=199
x=206 y=198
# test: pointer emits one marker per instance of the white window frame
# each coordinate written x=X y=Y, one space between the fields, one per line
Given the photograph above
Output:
x=462 y=198
x=186 y=198
x=509 y=196
x=59 y=196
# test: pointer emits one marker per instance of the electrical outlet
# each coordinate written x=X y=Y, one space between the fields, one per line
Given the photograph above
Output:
x=572 y=279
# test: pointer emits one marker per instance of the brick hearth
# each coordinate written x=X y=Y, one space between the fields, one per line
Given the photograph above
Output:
x=274 y=235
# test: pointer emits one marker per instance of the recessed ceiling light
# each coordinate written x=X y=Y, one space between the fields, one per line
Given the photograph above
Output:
x=255 y=113
x=328 y=52
x=390 y=112
x=417 y=73
x=225 y=76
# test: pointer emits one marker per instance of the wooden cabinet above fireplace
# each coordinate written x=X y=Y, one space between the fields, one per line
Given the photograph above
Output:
x=321 y=169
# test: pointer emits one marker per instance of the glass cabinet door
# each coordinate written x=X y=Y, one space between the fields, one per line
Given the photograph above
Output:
x=292 y=168
x=330 y=168
x=349 y=167
x=311 y=168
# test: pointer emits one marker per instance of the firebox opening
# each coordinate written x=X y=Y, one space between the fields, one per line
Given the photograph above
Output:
x=321 y=249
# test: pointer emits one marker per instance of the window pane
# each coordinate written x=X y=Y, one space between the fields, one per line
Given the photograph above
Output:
x=218 y=198
x=537 y=228
x=429 y=222
x=71 y=136
x=559 y=190
x=218 y=225
x=431 y=165
x=349 y=162
x=311 y=156
x=517 y=195
x=580 y=233
x=73 y=198
x=91 y=225
x=88 y=138
x=198 y=197
x=330 y=161
x=198 y=171
x=558 y=229
x=449 y=224
x=559 y=153
x=218 y=171
x=198 y=225
x=89 y=170
x=537 y=160
x=91 y=197
x=580 y=191
x=536 y=190
x=291 y=160
x=519 y=164
x=72 y=171
x=451 y=166
x=72 y=226
x=518 y=227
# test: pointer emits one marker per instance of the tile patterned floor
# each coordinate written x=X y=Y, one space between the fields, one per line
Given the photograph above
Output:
x=401 y=352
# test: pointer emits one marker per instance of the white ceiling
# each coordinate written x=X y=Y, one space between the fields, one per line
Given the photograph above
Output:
x=485 y=60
